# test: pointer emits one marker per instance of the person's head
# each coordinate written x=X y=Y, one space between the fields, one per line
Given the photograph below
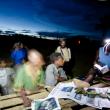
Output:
x=16 y=46
x=57 y=59
x=3 y=63
x=62 y=43
x=35 y=58
x=21 y=45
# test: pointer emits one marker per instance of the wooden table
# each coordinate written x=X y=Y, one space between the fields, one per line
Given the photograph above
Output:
x=14 y=102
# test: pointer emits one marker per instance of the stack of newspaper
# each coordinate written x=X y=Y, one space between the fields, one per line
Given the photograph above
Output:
x=68 y=91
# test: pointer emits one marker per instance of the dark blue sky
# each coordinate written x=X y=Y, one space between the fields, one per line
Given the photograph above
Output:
x=72 y=16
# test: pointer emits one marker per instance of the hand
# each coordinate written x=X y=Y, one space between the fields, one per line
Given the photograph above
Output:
x=27 y=102
x=61 y=79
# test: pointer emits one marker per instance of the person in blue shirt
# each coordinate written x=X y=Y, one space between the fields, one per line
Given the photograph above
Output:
x=24 y=49
x=103 y=58
x=17 y=55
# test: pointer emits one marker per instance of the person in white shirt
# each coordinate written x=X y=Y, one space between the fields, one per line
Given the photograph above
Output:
x=66 y=54
x=65 y=51
x=6 y=78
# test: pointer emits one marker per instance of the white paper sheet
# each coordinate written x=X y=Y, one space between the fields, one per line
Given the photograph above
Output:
x=50 y=103
x=63 y=90
x=67 y=91
x=103 y=69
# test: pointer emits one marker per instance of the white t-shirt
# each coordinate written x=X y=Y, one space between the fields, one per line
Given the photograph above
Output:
x=5 y=76
x=65 y=52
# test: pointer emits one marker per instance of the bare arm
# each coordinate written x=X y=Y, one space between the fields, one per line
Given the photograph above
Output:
x=62 y=76
x=26 y=100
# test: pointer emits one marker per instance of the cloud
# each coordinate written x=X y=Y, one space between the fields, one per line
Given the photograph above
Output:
x=75 y=16
x=26 y=31
x=40 y=34
x=1 y=32
x=54 y=34
x=9 y=32
x=70 y=14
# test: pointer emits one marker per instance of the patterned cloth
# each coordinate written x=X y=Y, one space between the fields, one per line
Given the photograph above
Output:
x=25 y=81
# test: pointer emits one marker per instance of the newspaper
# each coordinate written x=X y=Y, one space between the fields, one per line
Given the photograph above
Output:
x=63 y=90
x=102 y=102
x=93 y=100
x=50 y=103
x=68 y=91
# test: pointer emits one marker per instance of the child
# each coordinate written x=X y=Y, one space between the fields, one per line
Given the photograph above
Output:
x=30 y=76
x=54 y=71
x=6 y=76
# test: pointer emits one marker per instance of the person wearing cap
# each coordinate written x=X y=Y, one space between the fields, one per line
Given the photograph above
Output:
x=102 y=60
x=54 y=71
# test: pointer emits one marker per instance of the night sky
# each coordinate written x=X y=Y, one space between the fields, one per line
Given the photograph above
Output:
x=74 y=16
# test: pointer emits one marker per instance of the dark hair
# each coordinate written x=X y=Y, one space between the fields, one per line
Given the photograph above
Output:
x=62 y=40
x=16 y=45
x=55 y=56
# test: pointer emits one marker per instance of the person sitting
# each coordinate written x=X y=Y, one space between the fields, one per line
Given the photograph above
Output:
x=30 y=76
x=6 y=77
x=102 y=61
x=54 y=71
